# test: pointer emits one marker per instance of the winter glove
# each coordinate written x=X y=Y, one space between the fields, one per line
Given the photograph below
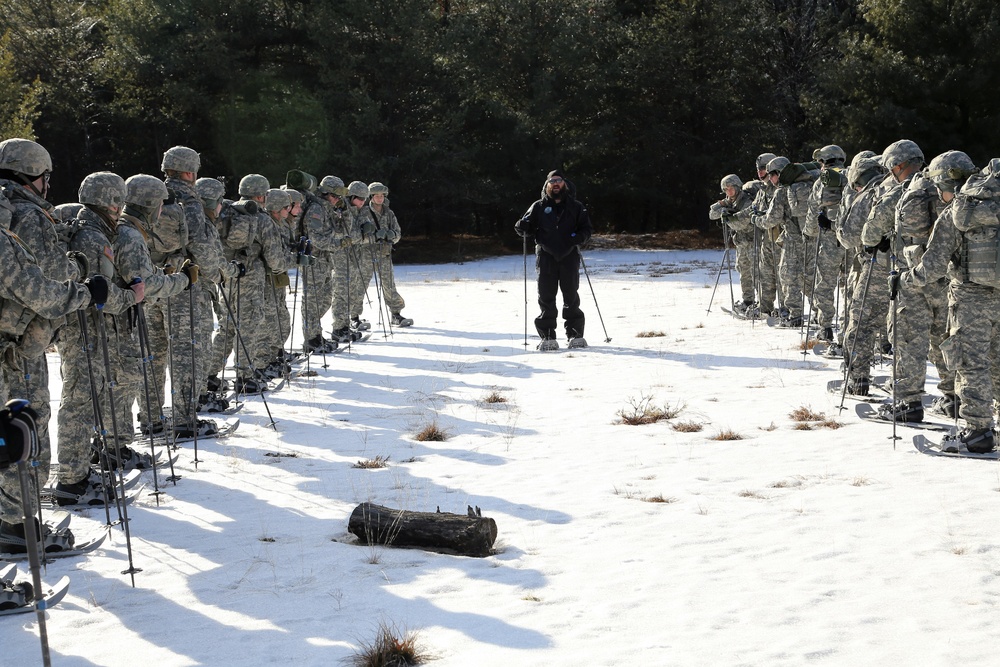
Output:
x=524 y=227
x=368 y=228
x=303 y=247
x=98 y=286
x=346 y=242
x=883 y=246
x=824 y=221
x=728 y=218
x=241 y=269
x=168 y=269
x=191 y=271
x=382 y=234
x=81 y=261
x=893 y=285
x=139 y=289
x=18 y=433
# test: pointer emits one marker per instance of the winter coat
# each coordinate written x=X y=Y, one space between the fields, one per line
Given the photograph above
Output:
x=558 y=227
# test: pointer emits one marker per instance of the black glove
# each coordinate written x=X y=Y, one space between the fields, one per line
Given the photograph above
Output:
x=728 y=218
x=241 y=269
x=893 y=285
x=18 y=432
x=98 y=286
x=884 y=244
x=368 y=228
x=304 y=247
x=524 y=227
x=824 y=221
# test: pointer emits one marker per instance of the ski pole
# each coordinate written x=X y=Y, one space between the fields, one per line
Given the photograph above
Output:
x=607 y=338
x=193 y=403
x=110 y=384
x=729 y=265
x=379 y=294
x=100 y=432
x=525 y=256
x=812 y=296
x=147 y=369
x=722 y=265
x=246 y=353
x=849 y=348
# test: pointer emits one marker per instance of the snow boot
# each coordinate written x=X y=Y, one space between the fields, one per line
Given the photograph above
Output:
x=250 y=386
x=791 y=322
x=13 y=540
x=858 y=386
x=13 y=596
x=397 y=320
x=346 y=335
x=577 y=342
x=212 y=402
x=88 y=491
x=902 y=411
x=548 y=345
x=216 y=384
x=834 y=350
x=319 y=345
x=825 y=334
x=360 y=324
x=157 y=427
x=132 y=459
x=977 y=440
x=946 y=405
x=205 y=428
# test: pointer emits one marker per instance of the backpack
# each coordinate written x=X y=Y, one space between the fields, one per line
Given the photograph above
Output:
x=976 y=213
x=237 y=223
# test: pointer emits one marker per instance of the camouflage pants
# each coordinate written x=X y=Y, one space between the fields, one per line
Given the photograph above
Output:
x=317 y=286
x=921 y=326
x=767 y=269
x=866 y=313
x=158 y=368
x=13 y=383
x=829 y=264
x=189 y=362
x=76 y=424
x=745 y=264
x=972 y=349
x=225 y=333
x=347 y=276
x=276 y=306
x=376 y=258
x=796 y=272
x=252 y=312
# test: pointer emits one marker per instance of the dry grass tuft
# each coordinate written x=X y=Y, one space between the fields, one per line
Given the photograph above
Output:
x=643 y=411
x=771 y=427
x=494 y=397
x=727 y=434
x=808 y=344
x=959 y=551
x=687 y=427
x=806 y=414
x=860 y=481
x=372 y=464
x=832 y=424
x=650 y=334
x=659 y=498
x=747 y=493
x=432 y=433
x=390 y=648
x=803 y=426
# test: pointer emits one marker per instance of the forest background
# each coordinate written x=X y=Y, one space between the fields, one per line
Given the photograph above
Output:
x=462 y=107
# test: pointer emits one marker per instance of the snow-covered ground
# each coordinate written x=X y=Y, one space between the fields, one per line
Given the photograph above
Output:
x=786 y=547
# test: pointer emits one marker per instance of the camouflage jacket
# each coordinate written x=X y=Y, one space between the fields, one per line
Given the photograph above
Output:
x=882 y=217
x=274 y=250
x=95 y=238
x=942 y=256
x=204 y=247
x=132 y=260
x=318 y=225
x=33 y=223
x=826 y=197
x=855 y=216
x=385 y=219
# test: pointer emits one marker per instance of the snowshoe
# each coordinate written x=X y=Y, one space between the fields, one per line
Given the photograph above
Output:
x=212 y=402
x=54 y=539
x=858 y=386
x=204 y=428
x=577 y=342
x=360 y=324
x=157 y=427
x=131 y=459
x=346 y=335
x=250 y=386
x=397 y=320
x=902 y=411
x=977 y=440
x=88 y=491
x=946 y=405
x=548 y=345
x=790 y=323
x=319 y=345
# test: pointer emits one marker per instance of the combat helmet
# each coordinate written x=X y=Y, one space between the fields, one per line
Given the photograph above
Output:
x=901 y=151
x=777 y=164
x=763 y=159
x=145 y=191
x=295 y=196
x=104 y=189
x=181 y=158
x=950 y=170
x=24 y=156
x=829 y=154
x=377 y=188
x=357 y=189
x=276 y=199
x=254 y=185
x=332 y=185
x=211 y=191
x=731 y=180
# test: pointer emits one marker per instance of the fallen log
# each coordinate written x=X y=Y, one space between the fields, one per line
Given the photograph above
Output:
x=464 y=534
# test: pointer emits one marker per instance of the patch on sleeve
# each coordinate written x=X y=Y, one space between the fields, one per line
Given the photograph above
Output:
x=109 y=253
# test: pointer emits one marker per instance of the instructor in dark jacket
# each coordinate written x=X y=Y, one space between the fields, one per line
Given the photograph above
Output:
x=559 y=223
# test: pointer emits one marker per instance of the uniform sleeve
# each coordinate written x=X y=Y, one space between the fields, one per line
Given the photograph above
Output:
x=882 y=217
x=273 y=248
x=132 y=260
x=23 y=282
x=204 y=246
x=319 y=226
x=776 y=212
x=942 y=244
x=38 y=233
x=391 y=225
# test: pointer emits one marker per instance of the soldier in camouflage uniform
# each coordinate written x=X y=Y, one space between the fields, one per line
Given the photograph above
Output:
x=277 y=205
x=788 y=211
x=188 y=373
x=93 y=234
x=921 y=312
x=962 y=245
x=328 y=273
x=824 y=208
x=31 y=314
x=769 y=252
x=144 y=199
x=379 y=232
x=727 y=211
x=869 y=298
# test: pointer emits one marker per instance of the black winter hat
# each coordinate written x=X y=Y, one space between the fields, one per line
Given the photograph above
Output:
x=554 y=173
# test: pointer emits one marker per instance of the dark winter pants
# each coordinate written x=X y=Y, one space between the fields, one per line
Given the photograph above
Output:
x=554 y=275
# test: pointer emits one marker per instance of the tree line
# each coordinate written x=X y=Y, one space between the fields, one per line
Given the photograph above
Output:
x=462 y=106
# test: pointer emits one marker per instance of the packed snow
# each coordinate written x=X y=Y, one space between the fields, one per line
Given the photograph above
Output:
x=618 y=544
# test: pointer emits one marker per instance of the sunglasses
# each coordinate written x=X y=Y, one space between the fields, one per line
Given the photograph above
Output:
x=555 y=180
